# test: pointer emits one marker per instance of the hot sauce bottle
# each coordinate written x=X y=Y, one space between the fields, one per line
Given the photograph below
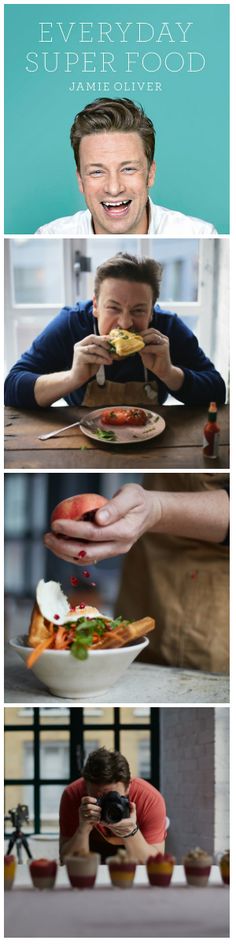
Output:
x=211 y=433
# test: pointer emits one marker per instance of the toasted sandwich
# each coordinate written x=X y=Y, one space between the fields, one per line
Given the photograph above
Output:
x=123 y=343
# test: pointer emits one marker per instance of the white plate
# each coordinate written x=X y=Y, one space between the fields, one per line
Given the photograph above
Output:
x=122 y=434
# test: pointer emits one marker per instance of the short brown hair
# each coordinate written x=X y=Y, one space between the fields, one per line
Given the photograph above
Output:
x=106 y=767
x=108 y=114
x=125 y=266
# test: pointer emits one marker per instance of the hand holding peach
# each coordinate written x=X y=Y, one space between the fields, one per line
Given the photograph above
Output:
x=113 y=530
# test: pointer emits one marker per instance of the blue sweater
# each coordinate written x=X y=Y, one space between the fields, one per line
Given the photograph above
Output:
x=52 y=351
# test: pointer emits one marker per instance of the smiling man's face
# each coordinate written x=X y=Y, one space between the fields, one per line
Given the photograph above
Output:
x=123 y=304
x=114 y=179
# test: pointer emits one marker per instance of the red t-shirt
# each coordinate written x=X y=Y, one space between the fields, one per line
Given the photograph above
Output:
x=150 y=806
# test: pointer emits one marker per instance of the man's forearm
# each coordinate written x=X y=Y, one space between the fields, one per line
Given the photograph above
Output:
x=203 y=516
x=50 y=387
x=79 y=842
x=140 y=849
x=174 y=379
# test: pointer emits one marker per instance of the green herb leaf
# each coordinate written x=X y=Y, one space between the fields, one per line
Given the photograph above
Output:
x=108 y=435
x=117 y=621
x=79 y=652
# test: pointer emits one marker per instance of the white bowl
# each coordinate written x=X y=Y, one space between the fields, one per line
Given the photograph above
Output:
x=71 y=678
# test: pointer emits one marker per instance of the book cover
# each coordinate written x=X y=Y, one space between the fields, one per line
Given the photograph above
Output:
x=173 y=59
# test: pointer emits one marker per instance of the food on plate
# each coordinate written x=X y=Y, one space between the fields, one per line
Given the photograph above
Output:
x=160 y=868
x=197 y=865
x=9 y=871
x=122 y=868
x=78 y=507
x=123 y=343
x=225 y=867
x=56 y=625
x=43 y=872
x=124 y=416
x=82 y=869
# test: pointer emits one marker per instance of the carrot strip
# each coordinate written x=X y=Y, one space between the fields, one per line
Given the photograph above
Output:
x=62 y=638
x=32 y=658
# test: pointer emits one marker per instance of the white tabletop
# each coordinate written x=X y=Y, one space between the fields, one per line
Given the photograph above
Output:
x=151 y=684
x=105 y=911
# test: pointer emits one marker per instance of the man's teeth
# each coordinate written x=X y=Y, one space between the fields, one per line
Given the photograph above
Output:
x=121 y=203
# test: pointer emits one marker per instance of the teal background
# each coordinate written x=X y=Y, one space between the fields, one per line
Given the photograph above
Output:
x=191 y=114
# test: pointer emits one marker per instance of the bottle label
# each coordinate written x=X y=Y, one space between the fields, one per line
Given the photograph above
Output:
x=211 y=448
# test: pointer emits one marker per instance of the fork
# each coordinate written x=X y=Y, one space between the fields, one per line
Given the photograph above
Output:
x=64 y=428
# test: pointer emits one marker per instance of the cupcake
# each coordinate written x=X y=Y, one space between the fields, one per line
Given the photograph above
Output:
x=9 y=871
x=224 y=865
x=122 y=869
x=160 y=868
x=43 y=872
x=82 y=869
x=197 y=865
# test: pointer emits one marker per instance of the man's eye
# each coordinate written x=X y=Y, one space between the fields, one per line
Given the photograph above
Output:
x=95 y=173
x=129 y=170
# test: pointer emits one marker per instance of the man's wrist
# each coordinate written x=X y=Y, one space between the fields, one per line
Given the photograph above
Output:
x=133 y=833
x=84 y=830
x=174 y=378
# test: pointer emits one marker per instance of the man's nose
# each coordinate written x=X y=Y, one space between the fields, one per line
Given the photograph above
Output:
x=126 y=319
x=114 y=184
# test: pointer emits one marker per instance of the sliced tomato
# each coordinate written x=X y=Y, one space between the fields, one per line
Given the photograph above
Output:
x=126 y=416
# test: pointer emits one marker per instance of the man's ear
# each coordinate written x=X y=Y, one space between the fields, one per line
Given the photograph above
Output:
x=95 y=307
x=80 y=183
x=152 y=174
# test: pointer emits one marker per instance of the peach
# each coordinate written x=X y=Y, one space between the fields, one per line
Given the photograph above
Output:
x=77 y=507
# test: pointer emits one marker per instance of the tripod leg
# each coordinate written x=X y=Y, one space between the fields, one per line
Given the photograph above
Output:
x=18 y=846
x=11 y=843
x=26 y=846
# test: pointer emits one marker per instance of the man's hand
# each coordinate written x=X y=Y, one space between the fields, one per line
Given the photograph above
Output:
x=156 y=357
x=89 y=813
x=125 y=826
x=89 y=355
x=118 y=525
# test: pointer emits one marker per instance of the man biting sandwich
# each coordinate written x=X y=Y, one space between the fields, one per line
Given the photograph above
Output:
x=83 y=355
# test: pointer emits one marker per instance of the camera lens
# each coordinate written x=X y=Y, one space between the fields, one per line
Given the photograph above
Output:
x=114 y=807
x=113 y=812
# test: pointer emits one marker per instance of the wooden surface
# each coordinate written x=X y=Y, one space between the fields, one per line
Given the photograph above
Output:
x=178 y=447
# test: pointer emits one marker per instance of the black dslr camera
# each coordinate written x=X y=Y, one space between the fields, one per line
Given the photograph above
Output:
x=113 y=807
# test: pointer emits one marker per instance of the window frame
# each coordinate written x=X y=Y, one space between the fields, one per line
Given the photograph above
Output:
x=77 y=727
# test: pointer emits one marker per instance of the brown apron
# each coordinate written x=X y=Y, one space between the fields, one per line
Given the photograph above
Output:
x=132 y=393
x=183 y=584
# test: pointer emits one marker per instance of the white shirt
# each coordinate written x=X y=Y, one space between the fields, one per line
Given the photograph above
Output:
x=168 y=222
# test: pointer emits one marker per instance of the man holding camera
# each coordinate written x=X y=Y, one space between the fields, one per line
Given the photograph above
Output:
x=107 y=808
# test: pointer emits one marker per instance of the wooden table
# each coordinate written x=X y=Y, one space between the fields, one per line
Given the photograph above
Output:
x=178 y=447
x=180 y=911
